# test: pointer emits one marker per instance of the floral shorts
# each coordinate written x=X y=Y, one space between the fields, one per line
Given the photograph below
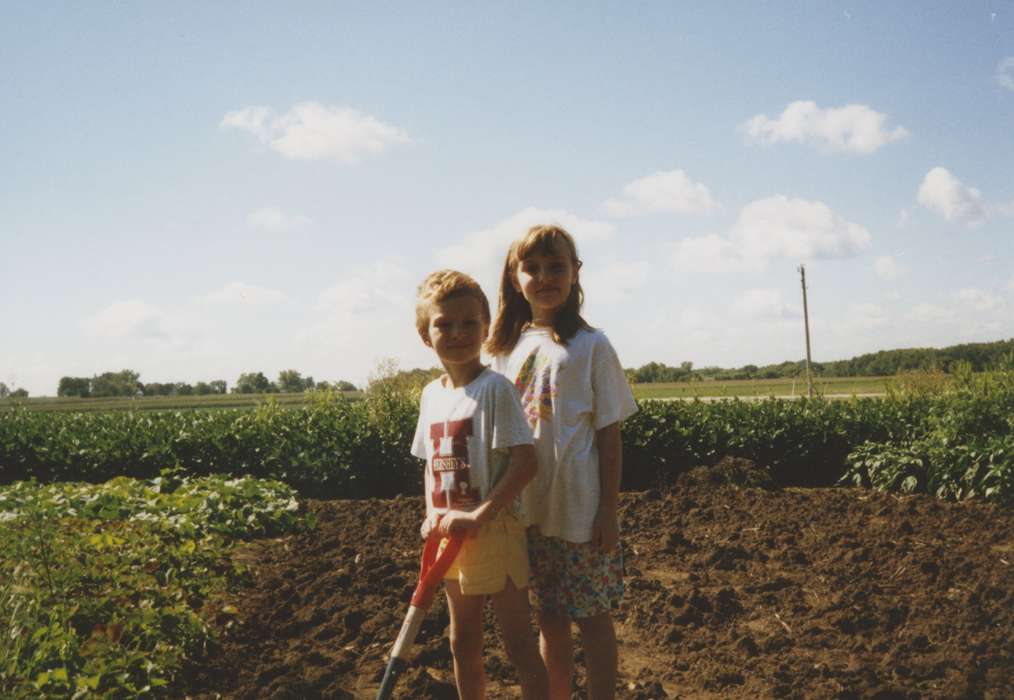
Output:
x=578 y=579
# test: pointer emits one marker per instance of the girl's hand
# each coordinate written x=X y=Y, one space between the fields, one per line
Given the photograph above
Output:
x=606 y=531
x=458 y=521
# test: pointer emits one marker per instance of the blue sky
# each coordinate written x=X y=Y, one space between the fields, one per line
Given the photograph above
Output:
x=195 y=190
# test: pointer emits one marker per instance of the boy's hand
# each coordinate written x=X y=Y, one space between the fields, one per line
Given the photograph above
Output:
x=459 y=521
x=606 y=531
x=426 y=528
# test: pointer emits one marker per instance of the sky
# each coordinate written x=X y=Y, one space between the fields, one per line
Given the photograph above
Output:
x=195 y=190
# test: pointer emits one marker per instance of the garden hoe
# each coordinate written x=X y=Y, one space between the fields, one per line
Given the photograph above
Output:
x=431 y=572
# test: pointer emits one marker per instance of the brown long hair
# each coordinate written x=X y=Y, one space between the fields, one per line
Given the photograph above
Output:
x=514 y=313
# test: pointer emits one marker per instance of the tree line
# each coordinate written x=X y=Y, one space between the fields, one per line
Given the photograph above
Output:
x=980 y=356
x=127 y=382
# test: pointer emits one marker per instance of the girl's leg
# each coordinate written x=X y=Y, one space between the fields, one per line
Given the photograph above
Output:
x=557 y=651
x=514 y=618
x=598 y=636
x=466 y=641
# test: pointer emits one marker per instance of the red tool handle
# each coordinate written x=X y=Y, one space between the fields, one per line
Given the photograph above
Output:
x=432 y=568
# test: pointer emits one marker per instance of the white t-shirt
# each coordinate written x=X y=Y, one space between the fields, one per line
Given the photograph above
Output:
x=568 y=392
x=463 y=434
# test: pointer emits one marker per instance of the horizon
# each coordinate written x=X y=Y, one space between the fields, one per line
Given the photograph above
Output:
x=195 y=192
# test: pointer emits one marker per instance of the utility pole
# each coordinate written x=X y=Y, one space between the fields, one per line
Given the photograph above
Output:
x=806 y=325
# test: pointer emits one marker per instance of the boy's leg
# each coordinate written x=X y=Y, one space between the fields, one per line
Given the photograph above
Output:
x=598 y=636
x=466 y=641
x=557 y=651
x=514 y=618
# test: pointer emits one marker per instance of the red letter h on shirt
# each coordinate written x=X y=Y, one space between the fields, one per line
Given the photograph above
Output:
x=452 y=472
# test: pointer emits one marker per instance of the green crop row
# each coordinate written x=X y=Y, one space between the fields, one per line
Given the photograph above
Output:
x=333 y=447
x=105 y=588
x=330 y=447
x=964 y=447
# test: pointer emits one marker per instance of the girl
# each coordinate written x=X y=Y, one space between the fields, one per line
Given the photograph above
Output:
x=575 y=395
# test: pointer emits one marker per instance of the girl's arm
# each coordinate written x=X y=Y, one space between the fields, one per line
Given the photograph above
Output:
x=521 y=469
x=606 y=528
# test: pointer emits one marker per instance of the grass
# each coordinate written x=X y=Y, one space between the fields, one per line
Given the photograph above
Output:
x=730 y=388
x=672 y=390
x=162 y=403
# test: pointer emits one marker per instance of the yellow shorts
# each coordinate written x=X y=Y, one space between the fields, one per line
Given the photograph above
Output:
x=498 y=550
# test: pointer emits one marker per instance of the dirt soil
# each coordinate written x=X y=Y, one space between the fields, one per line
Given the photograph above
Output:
x=732 y=592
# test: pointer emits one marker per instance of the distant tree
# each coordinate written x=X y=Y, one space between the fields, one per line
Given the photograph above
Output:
x=252 y=383
x=183 y=389
x=74 y=386
x=308 y=384
x=202 y=388
x=19 y=394
x=290 y=381
x=342 y=385
x=218 y=386
x=4 y=391
x=157 y=389
x=122 y=383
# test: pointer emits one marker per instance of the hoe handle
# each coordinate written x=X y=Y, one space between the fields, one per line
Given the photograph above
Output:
x=431 y=571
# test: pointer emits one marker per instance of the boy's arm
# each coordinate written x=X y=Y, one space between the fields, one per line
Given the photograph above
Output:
x=606 y=529
x=521 y=469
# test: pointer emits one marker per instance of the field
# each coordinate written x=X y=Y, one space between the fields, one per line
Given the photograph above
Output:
x=160 y=403
x=732 y=592
x=218 y=553
x=831 y=386
x=828 y=386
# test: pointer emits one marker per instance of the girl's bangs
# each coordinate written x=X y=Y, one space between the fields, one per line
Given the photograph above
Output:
x=544 y=241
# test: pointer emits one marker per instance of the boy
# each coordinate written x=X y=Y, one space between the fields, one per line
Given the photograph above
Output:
x=479 y=456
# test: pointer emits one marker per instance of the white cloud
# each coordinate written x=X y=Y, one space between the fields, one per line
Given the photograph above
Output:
x=980 y=300
x=482 y=253
x=904 y=218
x=944 y=194
x=710 y=253
x=366 y=318
x=125 y=319
x=865 y=317
x=663 y=192
x=764 y=304
x=614 y=282
x=1005 y=73
x=887 y=267
x=931 y=313
x=310 y=131
x=769 y=228
x=239 y=293
x=853 y=128
x=382 y=287
x=797 y=229
x=274 y=219
x=1010 y=284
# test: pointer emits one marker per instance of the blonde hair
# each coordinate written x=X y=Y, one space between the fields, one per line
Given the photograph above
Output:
x=514 y=313
x=440 y=286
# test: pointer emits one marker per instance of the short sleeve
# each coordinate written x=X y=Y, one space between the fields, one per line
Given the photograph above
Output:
x=510 y=427
x=419 y=441
x=614 y=401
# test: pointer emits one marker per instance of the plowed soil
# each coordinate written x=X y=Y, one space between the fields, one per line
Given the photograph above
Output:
x=732 y=592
